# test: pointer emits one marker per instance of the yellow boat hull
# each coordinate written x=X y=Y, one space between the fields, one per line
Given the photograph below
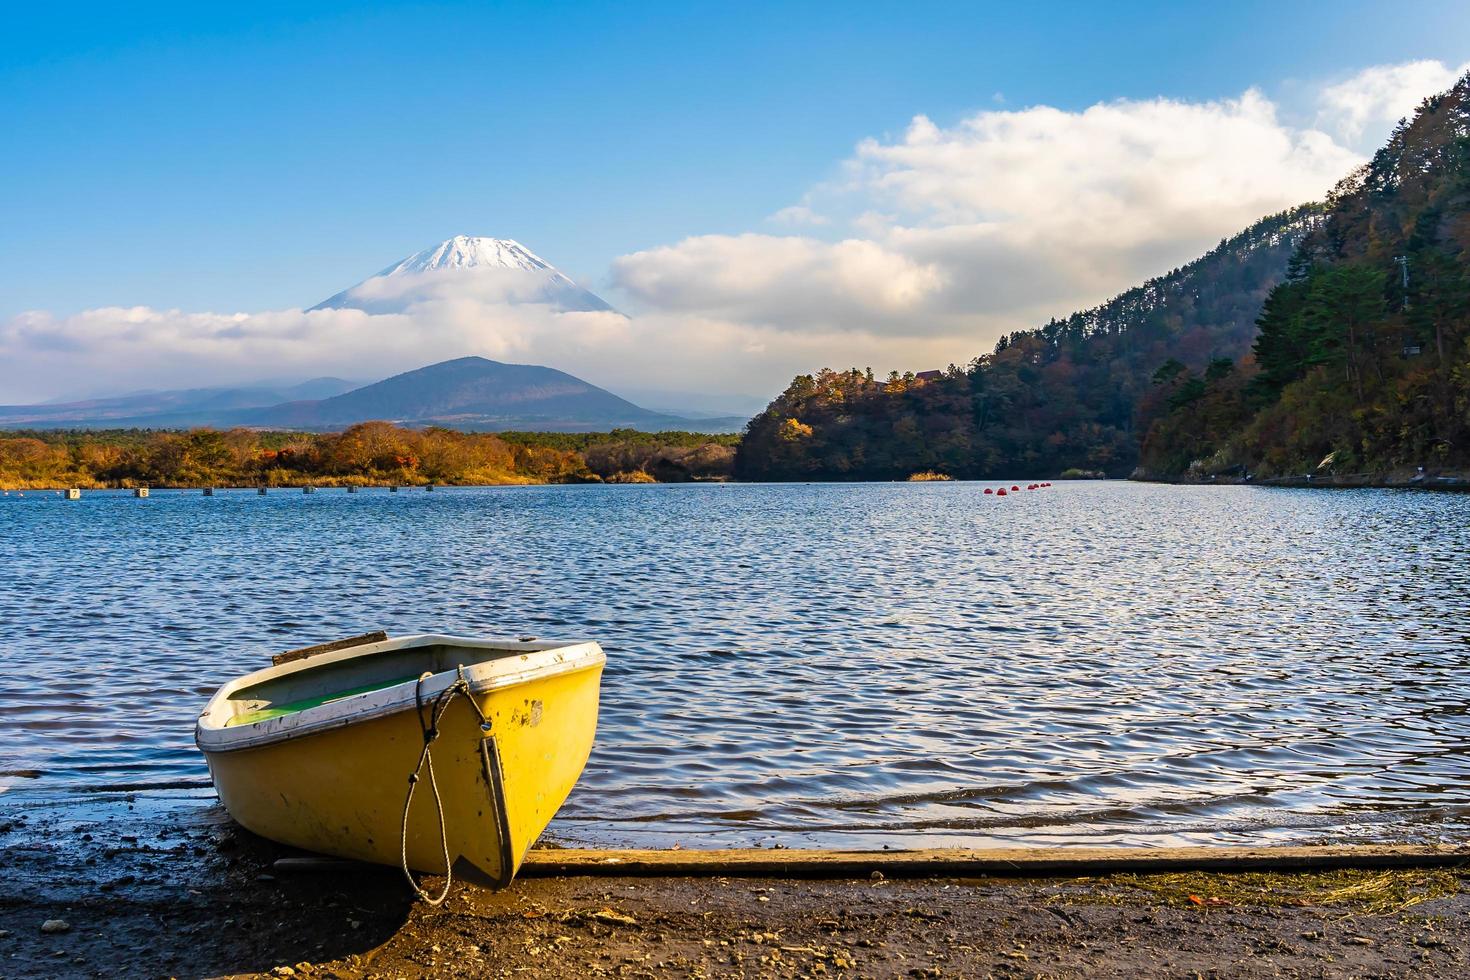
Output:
x=341 y=789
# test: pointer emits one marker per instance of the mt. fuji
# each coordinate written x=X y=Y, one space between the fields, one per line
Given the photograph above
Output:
x=489 y=269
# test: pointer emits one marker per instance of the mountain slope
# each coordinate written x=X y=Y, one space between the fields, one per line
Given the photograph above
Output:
x=470 y=393
x=498 y=269
x=1363 y=355
x=1065 y=395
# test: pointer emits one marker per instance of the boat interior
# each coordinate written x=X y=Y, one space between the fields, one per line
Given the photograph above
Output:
x=333 y=680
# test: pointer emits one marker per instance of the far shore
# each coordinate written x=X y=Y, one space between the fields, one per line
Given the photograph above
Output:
x=298 y=487
x=1453 y=480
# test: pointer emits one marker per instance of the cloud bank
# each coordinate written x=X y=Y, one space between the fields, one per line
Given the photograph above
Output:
x=920 y=250
x=1002 y=219
x=1361 y=110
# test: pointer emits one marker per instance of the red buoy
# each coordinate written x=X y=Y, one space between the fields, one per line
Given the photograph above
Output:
x=988 y=490
x=1001 y=492
x=1015 y=488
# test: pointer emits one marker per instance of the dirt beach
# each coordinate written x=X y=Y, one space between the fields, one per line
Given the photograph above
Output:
x=129 y=892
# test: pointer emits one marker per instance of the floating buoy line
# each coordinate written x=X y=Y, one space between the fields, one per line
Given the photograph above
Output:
x=1016 y=488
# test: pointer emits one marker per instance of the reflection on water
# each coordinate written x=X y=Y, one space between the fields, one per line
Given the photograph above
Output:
x=855 y=665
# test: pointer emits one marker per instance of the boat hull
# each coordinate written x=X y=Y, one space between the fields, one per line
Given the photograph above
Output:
x=341 y=789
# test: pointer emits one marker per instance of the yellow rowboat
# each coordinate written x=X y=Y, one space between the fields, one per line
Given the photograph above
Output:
x=347 y=752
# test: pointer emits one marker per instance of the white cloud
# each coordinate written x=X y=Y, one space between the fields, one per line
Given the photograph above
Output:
x=1115 y=175
x=44 y=356
x=780 y=281
x=948 y=236
x=119 y=349
x=996 y=222
x=799 y=214
x=1361 y=110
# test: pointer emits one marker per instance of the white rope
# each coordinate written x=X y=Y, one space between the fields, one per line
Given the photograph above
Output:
x=426 y=761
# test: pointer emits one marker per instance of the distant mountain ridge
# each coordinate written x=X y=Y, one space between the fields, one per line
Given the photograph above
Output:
x=163 y=405
x=468 y=393
x=471 y=392
x=511 y=272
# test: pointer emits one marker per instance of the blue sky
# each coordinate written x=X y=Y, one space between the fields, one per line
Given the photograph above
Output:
x=253 y=157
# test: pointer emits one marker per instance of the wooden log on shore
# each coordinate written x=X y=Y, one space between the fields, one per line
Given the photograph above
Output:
x=1019 y=862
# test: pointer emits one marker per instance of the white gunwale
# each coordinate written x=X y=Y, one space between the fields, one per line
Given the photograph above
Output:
x=524 y=661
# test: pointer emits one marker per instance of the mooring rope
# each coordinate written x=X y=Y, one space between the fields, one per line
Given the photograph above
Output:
x=430 y=728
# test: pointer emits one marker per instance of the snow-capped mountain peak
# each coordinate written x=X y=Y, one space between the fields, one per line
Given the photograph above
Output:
x=498 y=270
x=467 y=252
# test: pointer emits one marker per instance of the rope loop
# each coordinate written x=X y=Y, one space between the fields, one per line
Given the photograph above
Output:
x=429 y=725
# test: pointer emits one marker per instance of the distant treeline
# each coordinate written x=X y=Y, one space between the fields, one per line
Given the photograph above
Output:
x=369 y=453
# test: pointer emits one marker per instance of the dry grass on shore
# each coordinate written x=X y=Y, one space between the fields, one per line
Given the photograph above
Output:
x=1349 y=891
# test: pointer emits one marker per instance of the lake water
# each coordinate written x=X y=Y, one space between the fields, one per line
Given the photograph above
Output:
x=812 y=665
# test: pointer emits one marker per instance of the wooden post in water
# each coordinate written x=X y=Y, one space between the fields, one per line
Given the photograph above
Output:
x=75 y=493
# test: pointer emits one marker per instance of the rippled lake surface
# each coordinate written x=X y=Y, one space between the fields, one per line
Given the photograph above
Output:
x=811 y=665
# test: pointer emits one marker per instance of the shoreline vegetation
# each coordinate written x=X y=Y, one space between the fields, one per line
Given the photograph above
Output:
x=368 y=454
x=379 y=454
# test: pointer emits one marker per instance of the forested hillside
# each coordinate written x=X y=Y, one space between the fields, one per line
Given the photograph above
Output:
x=1331 y=338
x=1362 y=363
x=1062 y=396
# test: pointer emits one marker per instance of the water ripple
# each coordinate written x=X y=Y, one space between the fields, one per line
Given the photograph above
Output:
x=904 y=664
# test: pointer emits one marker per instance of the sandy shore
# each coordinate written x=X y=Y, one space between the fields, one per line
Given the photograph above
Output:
x=185 y=894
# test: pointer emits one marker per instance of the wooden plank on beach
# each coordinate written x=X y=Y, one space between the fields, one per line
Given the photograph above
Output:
x=377 y=636
x=1020 y=862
